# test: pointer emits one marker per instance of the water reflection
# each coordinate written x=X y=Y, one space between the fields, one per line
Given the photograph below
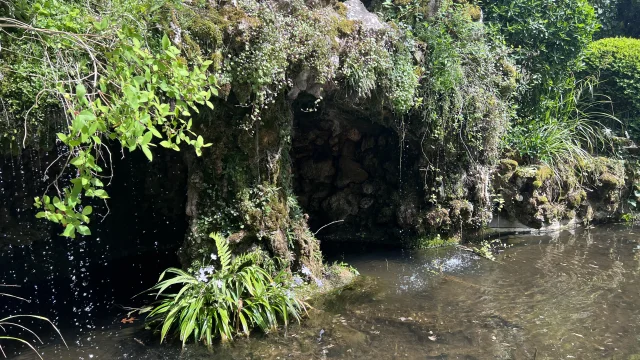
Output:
x=567 y=296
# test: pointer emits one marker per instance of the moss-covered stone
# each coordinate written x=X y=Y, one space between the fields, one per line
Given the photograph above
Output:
x=508 y=164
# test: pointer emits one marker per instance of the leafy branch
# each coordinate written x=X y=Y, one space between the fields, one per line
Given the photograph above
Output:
x=143 y=94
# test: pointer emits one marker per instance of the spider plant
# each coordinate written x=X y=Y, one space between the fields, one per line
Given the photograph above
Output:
x=228 y=297
x=11 y=324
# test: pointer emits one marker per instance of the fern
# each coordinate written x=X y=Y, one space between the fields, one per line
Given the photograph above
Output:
x=223 y=301
x=223 y=250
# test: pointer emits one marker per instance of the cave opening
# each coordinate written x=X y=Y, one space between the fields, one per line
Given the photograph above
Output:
x=348 y=173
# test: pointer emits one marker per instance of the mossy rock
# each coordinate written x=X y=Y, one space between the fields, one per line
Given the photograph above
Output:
x=575 y=199
x=544 y=173
x=542 y=199
x=508 y=164
x=611 y=180
x=526 y=172
x=461 y=210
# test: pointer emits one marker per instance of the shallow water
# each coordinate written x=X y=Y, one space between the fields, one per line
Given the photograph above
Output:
x=564 y=296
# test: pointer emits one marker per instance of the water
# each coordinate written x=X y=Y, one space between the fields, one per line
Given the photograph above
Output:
x=571 y=295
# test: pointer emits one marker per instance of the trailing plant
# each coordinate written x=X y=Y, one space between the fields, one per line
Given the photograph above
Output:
x=464 y=97
x=10 y=325
x=115 y=82
x=228 y=297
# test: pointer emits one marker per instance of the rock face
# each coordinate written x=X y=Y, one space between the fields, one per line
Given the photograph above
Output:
x=347 y=168
x=538 y=198
x=358 y=12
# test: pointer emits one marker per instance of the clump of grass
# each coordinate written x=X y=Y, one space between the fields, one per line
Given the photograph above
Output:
x=228 y=297
x=567 y=131
x=11 y=323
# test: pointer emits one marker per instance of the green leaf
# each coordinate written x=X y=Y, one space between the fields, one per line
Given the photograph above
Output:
x=165 y=42
x=101 y=194
x=86 y=115
x=139 y=80
x=84 y=230
x=155 y=132
x=87 y=210
x=77 y=161
x=165 y=143
x=147 y=152
x=59 y=204
x=146 y=138
x=69 y=231
x=81 y=91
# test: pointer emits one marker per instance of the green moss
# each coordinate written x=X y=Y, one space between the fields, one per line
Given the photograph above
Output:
x=341 y=9
x=509 y=164
x=537 y=184
x=342 y=26
x=430 y=242
x=544 y=173
x=575 y=199
x=542 y=199
x=609 y=179
x=526 y=172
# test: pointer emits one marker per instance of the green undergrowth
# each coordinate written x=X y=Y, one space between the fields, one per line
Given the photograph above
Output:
x=226 y=296
x=435 y=241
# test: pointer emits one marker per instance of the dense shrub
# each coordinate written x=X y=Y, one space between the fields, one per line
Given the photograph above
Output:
x=547 y=36
x=618 y=17
x=617 y=63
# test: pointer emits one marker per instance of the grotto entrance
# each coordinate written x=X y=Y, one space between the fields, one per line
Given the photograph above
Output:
x=347 y=172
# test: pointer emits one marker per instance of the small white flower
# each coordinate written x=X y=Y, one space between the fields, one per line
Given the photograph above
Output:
x=214 y=257
x=202 y=277
x=305 y=270
x=219 y=284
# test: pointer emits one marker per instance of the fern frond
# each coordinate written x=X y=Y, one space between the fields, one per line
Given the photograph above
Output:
x=224 y=254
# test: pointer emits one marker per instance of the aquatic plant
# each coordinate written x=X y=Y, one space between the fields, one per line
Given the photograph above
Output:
x=488 y=249
x=11 y=322
x=228 y=297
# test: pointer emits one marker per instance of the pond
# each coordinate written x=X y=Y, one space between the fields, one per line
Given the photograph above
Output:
x=571 y=295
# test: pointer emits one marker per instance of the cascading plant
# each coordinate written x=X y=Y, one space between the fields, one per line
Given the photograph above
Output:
x=228 y=297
